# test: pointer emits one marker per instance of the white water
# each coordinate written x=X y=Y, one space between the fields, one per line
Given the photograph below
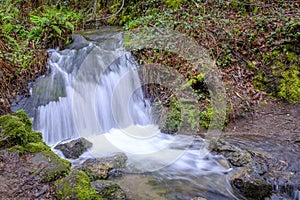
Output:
x=93 y=91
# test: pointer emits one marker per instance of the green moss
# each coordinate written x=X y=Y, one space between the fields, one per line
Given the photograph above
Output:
x=173 y=3
x=16 y=129
x=75 y=186
x=206 y=118
x=18 y=148
x=289 y=87
x=36 y=147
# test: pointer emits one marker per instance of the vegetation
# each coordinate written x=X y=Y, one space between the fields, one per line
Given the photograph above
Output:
x=75 y=186
x=16 y=129
x=26 y=31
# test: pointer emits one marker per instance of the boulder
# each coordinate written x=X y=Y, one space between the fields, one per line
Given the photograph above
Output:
x=109 y=190
x=250 y=184
x=74 y=148
x=75 y=186
x=48 y=166
x=100 y=168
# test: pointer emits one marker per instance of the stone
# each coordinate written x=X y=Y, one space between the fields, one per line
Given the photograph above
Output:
x=75 y=148
x=250 y=184
x=100 y=168
x=75 y=186
x=48 y=166
x=109 y=190
x=236 y=156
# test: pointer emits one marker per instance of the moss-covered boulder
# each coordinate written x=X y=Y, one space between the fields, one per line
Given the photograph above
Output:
x=75 y=186
x=109 y=190
x=48 y=166
x=100 y=168
x=16 y=129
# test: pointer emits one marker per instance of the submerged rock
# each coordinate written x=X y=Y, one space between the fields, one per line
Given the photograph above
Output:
x=100 y=168
x=74 y=148
x=47 y=166
x=109 y=190
x=75 y=186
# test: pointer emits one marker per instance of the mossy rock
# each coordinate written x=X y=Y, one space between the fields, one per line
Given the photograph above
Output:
x=47 y=165
x=236 y=156
x=75 y=186
x=109 y=190
x=250 y=184
x=100 y=168
x=36 y=147
x=16 y=129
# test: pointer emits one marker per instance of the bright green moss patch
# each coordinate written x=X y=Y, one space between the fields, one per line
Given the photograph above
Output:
x=75 y=186
x=16 y=129
x=36 y=147
x=289 y=87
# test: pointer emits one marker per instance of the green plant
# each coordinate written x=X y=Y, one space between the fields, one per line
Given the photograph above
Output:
x=52 y=26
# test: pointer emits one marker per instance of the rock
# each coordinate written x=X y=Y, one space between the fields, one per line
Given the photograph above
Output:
x=198 y=198
x=99 y=168
x=234 y=154
x=74 y=148
x=109 y=190
x=249 y=178
x=75 y=186
x=251 y=185
x=47 y=166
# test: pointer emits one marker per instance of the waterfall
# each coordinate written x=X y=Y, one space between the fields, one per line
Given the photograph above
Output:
x=93 y=90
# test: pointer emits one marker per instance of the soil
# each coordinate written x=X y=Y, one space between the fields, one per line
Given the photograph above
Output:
x=271 y=119
x=17 y=180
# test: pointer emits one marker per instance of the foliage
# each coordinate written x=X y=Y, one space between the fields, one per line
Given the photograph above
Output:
x=52 y=26
x=26 y=29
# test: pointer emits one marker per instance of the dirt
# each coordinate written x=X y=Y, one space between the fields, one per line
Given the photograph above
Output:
x=17 y=180
x=271 y=119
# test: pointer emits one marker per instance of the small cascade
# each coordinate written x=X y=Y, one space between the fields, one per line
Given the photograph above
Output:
x=90 y=90
x=93 y=90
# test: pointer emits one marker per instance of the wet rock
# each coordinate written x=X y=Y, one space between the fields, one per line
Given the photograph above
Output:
x=198 y=198
x=236 y=156
x=100 y=168
x=74 y=148
x=109 y=190
x=75 y=186
x=47 y=166
x=250 y=184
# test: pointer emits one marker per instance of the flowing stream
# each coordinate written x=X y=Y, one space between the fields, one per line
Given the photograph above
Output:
x=93 y=90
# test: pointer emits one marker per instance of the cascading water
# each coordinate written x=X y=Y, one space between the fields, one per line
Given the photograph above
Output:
x=93 y=90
